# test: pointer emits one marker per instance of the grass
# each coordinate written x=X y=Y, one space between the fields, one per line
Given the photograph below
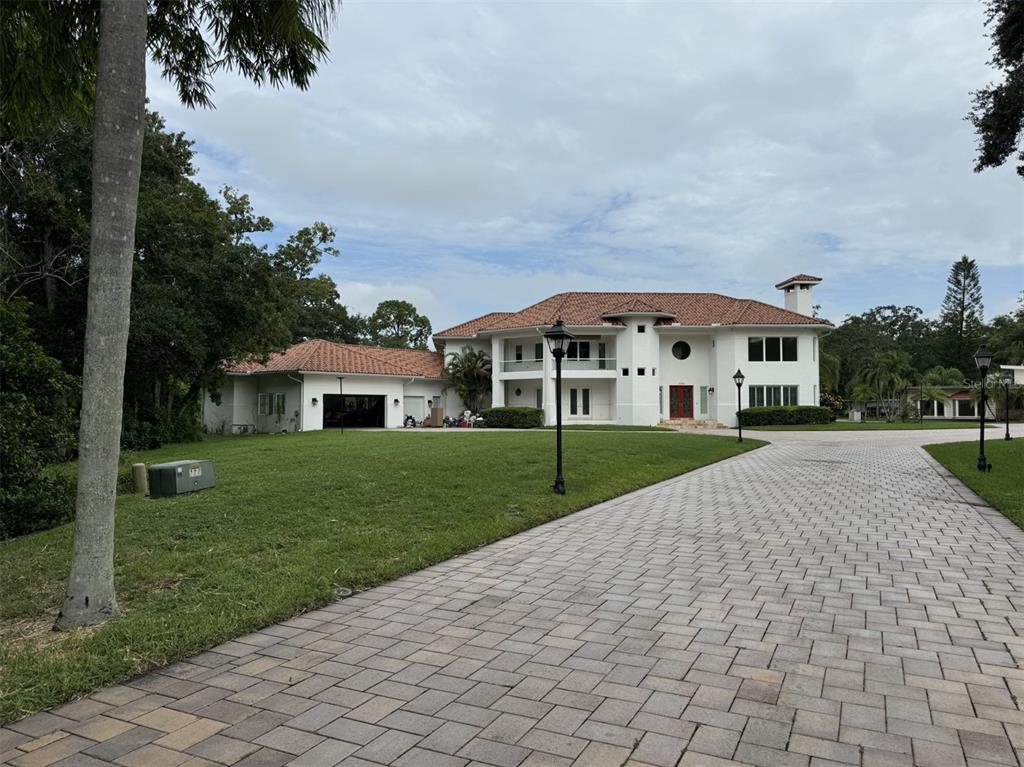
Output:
x=1001 y=487
x=606 y=427
x=868 y=426
x=293 y=518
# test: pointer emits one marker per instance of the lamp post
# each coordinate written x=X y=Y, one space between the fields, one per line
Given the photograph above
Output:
x=983 y=359
x=341 y=393
x=1007 y=380
x=739 y=378
x=558 y=337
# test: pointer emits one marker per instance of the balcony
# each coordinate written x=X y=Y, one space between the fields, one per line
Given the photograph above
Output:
x=521 y=366
x=594 y=363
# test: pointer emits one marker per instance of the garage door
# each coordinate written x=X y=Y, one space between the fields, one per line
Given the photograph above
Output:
x=353 y=411
x=416 y=407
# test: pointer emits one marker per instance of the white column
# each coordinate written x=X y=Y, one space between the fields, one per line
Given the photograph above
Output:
x=497 y=381
x=548 y=384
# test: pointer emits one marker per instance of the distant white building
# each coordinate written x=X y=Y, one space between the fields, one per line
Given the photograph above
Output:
x=642 y=358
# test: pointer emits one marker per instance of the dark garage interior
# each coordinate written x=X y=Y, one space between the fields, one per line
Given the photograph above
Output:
x=360 y=411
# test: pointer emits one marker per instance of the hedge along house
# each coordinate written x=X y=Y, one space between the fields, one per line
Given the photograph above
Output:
x=321 y=385
x=643 y=358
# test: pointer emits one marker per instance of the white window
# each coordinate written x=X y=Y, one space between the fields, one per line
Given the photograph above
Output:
x=641 y=371
x=579 y=401
x=271 y=403
x=703 y=400
x=519 y=352
x=772 y=349
x=773 y=396
x=578 y=350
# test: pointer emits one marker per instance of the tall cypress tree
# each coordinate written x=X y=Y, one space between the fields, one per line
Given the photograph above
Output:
x=962 y=318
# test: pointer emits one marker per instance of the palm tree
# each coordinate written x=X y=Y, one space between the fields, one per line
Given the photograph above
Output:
x=68 y=57
x=942 y=376
x=888 y=376
x=469 y=371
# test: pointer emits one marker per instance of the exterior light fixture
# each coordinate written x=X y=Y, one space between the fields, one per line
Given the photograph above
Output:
x=1007 y=383
x=983 y=359
x=738 y=379
x=397 y=402
x=558 y=338
x=315 y=401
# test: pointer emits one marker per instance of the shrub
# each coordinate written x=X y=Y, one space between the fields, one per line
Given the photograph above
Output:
x=833 y=402
x=36 y=429
x=793 y=414
x=513 y=417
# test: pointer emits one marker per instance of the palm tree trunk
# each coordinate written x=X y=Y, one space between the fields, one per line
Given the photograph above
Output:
x=116 y=164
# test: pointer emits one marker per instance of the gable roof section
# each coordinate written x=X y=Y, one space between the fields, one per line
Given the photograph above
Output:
x=470 y=328
x=319 y=356
x=634 y=305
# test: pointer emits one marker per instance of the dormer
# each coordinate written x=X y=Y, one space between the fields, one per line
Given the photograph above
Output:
x=799 y=290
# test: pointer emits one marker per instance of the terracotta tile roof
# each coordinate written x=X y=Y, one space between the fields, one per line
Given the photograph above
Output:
x=469 y=329
x=319 y=356
x=798 y=278
x=634 y=305
x=577 y=309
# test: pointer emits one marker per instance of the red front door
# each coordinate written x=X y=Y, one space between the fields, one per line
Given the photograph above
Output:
x=680 y=401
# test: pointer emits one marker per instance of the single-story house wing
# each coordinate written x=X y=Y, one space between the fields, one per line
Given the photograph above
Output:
x=319 y=384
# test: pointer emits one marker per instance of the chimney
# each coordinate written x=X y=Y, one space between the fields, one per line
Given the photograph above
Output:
x=799 y=290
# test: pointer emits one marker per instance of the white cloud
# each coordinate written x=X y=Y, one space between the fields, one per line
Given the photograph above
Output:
x=482 y=156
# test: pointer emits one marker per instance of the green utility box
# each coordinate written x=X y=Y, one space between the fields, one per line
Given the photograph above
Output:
x=177 y=477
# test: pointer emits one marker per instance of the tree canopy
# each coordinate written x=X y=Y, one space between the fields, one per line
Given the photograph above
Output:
x=397 y=323
x=997 y=111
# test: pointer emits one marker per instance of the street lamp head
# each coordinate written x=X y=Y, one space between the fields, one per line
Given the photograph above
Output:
x=983 y=359
x=558 y=337
x=739 y=377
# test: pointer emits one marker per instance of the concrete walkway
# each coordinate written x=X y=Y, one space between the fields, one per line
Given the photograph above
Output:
x=832 y=599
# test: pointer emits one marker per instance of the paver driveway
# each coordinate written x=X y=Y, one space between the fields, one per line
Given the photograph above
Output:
x=829 y=599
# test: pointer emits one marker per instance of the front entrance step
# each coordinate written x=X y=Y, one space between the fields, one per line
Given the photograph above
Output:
x=683 y=424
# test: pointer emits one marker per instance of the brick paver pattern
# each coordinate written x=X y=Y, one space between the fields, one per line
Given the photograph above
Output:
x=827 y=600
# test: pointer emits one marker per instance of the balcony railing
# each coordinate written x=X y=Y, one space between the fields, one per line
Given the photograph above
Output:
x=524 y=366
x=594 y=363
x=521 y=366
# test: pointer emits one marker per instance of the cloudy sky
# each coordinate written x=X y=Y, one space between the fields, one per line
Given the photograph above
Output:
x=481 y=156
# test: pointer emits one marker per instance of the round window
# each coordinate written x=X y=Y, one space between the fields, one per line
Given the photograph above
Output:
x=680 y=350
x=519 y=392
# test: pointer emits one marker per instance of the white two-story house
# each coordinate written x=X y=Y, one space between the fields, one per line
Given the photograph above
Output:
x=643 y=358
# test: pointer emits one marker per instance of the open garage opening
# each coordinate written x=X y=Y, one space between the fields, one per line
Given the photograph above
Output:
x=353 y=411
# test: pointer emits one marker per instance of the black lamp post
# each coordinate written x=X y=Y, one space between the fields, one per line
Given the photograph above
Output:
x=341 y=393
x=1007 y=380
x=739 y=378
x=558 y=337
x=983 y=359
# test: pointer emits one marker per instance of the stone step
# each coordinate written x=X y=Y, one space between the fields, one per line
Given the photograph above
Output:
x=681 y=424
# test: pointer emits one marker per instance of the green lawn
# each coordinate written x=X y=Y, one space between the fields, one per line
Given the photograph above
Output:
x=868 y=426
x=1002 y=486
x=294 y=517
